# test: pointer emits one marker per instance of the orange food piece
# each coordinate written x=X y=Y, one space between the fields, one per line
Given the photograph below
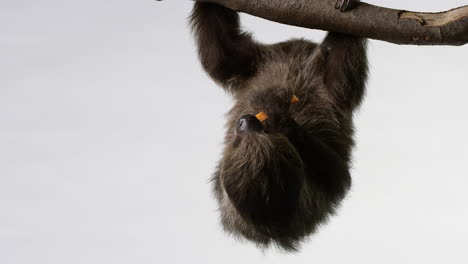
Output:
x=294 y=99
x=261 y=116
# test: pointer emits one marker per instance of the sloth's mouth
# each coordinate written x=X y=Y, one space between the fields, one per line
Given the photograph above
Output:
x=262 y=122
x=262 y=116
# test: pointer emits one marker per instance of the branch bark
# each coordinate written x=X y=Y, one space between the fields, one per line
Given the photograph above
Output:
x=391 y=25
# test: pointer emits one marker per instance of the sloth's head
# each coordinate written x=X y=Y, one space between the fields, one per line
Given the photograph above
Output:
x=262 y=171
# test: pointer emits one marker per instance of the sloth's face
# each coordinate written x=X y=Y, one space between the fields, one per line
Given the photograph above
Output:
x=265 y=112
x=262 y=147
x=265 y=141
x=270 y=135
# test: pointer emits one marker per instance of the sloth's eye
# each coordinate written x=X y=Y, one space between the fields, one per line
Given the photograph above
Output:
x=236 y=142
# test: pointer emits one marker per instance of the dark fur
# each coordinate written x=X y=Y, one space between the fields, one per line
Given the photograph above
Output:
x=278 y=184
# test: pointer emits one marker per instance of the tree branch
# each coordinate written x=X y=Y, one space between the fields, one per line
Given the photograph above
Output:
x=391 y=25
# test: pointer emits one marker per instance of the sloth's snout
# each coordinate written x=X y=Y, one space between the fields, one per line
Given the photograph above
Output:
x=248 y=123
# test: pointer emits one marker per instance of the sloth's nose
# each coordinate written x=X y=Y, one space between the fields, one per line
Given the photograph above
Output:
x=249 y=123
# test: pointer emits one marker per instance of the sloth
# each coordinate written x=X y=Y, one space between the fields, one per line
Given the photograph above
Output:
x=286 y=170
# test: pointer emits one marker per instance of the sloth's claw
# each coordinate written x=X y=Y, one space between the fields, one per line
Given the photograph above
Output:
x=346 y=5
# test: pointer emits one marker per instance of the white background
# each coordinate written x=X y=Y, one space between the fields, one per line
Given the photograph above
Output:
x=109 y=132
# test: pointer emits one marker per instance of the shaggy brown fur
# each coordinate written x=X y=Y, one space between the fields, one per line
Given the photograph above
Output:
x=279 y=179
